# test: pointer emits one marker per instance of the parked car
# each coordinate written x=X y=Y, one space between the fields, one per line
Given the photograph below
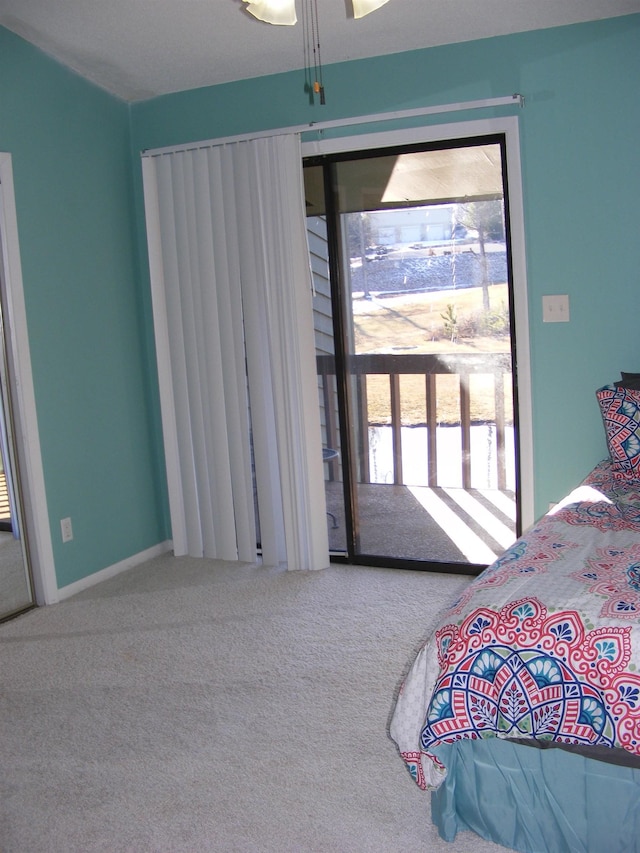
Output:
x=374 y=253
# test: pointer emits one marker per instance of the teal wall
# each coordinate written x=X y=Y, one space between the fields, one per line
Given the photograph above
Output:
x=77 y=180
x=69 y=143
x=579 y=143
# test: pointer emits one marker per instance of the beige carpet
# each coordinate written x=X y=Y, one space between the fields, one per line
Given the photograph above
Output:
x=189 y=705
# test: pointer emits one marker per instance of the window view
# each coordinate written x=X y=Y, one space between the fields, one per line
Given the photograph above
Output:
x=415 y=370
x=446 y=293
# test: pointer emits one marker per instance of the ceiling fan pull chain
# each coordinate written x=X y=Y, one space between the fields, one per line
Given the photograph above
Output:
x=318 y=86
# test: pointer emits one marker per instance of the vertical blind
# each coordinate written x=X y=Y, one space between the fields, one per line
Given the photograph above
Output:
x=231 y=292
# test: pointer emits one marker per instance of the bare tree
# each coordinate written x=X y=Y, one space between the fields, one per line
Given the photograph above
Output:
x=487 y=219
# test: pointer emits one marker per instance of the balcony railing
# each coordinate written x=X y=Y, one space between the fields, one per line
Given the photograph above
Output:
x=462 y=365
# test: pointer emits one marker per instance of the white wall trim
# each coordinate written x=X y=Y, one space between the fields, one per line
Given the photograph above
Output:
x=34 y=500
x=507 y=125
x=116 y=569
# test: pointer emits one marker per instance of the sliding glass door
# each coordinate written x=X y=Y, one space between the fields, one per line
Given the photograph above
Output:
x=414 y=340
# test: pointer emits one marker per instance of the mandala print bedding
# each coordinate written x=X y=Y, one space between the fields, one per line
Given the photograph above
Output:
x=544 y=644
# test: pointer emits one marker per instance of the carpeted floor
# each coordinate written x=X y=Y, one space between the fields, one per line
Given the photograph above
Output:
x=194 y=706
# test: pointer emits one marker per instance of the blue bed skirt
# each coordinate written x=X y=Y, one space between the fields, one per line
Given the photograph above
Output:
x=537 y=800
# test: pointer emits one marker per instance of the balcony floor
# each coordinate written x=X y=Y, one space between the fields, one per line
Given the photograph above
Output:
x=419 y=523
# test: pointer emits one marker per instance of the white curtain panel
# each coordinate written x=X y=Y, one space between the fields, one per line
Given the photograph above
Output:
x=233 y=321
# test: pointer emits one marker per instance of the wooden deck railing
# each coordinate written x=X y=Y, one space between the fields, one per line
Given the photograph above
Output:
x=462 y=365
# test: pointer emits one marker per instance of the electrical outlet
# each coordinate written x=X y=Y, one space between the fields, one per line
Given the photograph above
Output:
x=67 y=529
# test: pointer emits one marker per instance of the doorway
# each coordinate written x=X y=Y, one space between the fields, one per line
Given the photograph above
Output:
x=415 y=339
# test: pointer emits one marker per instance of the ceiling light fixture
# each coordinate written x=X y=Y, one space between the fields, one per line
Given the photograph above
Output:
x=280 y=12
x=363 y=7
x=283 y=12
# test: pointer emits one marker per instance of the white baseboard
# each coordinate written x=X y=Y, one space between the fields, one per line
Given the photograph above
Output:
x=115 y=569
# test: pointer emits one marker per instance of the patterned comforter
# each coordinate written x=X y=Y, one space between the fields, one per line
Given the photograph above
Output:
x=544 y=644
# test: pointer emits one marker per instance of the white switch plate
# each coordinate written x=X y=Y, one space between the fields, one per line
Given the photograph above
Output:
x=67 y=529
x=555 y=309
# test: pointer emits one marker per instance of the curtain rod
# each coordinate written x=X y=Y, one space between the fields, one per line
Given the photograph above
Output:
x=347 y=122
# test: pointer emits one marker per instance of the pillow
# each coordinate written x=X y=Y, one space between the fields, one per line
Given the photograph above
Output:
x=620 y=410
x=629 y=380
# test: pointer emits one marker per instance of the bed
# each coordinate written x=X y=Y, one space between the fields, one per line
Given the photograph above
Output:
x=521 y=713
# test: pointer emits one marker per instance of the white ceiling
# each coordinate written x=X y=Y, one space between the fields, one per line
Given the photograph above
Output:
x=141 y=48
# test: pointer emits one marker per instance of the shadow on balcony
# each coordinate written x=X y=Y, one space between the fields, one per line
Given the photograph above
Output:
x=448 y=525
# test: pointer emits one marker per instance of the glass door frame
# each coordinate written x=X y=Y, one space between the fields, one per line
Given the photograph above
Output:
x=507 y=128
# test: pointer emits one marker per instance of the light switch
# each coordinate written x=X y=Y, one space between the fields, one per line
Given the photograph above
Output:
x=555 y=309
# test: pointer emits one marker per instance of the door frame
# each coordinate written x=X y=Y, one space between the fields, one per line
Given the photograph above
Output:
x=35 y=515
x=508 y=126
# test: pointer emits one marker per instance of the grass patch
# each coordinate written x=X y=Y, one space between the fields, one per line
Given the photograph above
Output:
x=452 y=321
